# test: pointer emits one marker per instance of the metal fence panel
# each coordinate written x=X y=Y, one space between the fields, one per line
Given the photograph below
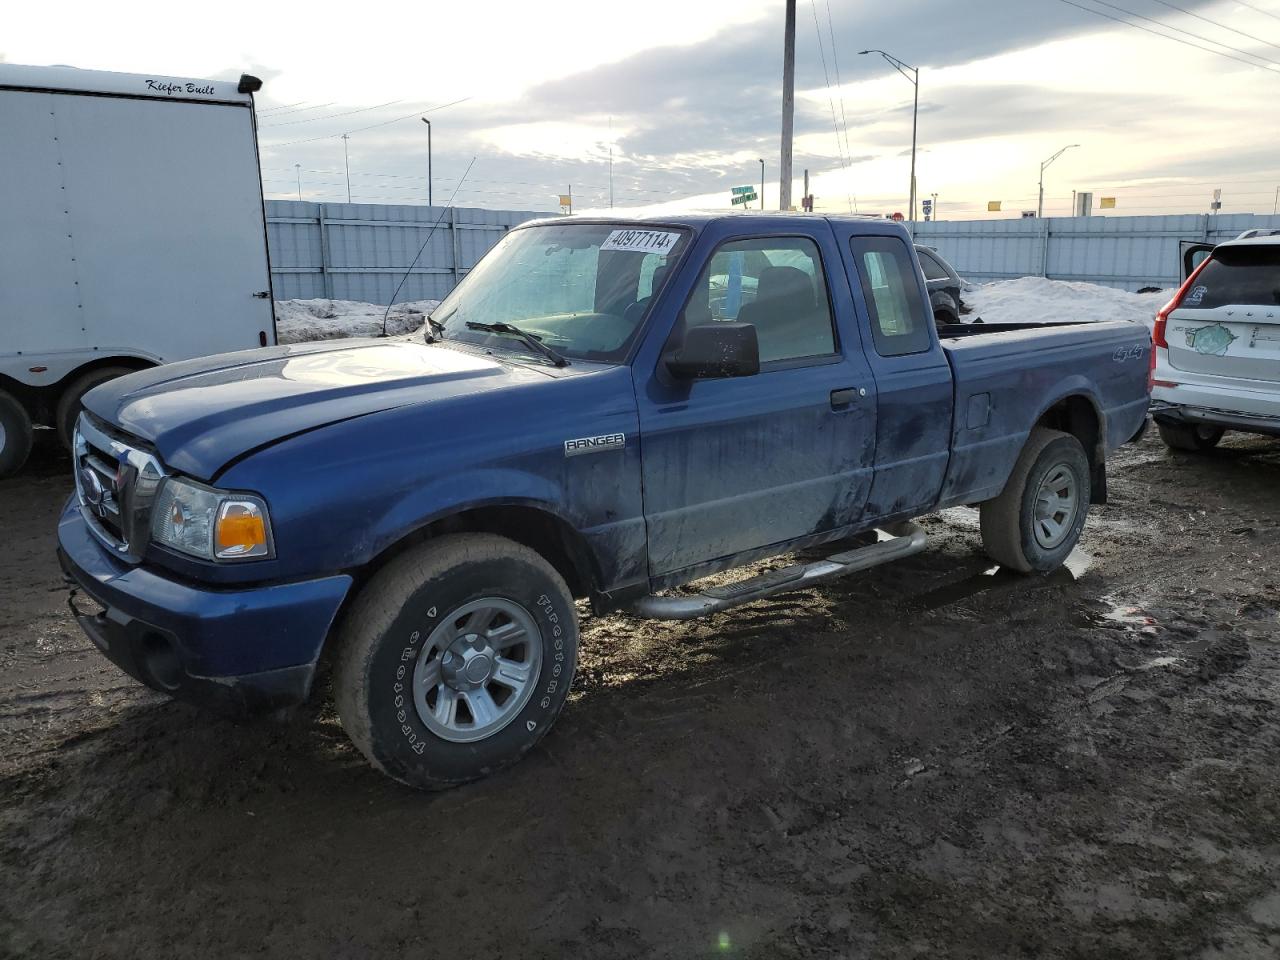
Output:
x=360 y=251
x=1124 y=252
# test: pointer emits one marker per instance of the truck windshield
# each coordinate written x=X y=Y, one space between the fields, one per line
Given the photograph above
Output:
x=582 y=289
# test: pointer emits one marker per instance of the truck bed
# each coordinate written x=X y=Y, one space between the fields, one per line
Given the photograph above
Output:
x=996 y=367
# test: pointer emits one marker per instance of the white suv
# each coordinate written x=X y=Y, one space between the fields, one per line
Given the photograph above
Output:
x=1215 y=365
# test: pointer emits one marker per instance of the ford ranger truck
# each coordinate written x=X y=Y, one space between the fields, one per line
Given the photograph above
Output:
x=602 y=410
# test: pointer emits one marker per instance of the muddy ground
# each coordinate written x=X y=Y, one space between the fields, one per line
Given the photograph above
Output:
x=932 y=759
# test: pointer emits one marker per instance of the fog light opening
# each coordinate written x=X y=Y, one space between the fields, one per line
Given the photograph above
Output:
x=160 y=661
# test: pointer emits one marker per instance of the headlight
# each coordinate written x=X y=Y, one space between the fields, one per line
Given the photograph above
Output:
x=209 y=523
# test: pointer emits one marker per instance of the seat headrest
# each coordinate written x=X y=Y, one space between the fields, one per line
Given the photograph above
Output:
x=790 y=283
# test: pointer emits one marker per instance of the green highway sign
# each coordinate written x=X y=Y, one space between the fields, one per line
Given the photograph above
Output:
x=737 y=190
x=744 y=197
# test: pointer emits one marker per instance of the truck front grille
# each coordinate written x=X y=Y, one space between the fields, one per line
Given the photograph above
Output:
x=116 y=484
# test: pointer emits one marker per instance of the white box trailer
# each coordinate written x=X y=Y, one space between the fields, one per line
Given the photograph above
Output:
x=132 y=233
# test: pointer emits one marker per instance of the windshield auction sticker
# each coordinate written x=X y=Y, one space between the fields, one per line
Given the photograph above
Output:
x=643 y=241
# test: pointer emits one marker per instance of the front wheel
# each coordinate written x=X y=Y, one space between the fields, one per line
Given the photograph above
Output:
x=455 y=660
x=1038 y=517
x=1197 y=438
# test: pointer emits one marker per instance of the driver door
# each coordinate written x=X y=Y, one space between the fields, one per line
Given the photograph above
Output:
x=732 y=466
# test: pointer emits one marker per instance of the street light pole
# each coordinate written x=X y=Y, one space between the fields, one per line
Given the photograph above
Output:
x=428 y=123
x=762 y=183
x=1044 y=166
x=298 y=169
x=912 y=74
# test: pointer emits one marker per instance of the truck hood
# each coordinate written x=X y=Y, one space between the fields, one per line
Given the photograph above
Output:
x=202 y=414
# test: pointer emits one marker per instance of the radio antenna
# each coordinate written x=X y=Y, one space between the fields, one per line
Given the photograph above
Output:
x=448 y=206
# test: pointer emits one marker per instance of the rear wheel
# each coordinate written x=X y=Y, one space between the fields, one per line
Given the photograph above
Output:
x=69 y=402
x=455 y=660
x=1198 y=438
x=15 y=435
x=1037 y=519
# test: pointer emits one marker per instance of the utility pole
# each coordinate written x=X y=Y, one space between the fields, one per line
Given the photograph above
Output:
x=804 y=201
x=1043 y=167
x=788 y=107
x=346 y=161
x=298 y=169
x=935 y=207
x=762 y=183
x=429 y=199
x=1276 y=206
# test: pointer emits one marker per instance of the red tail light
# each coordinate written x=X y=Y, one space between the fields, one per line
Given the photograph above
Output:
x=1159 y=339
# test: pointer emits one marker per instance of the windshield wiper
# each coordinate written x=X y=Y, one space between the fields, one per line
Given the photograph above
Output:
x=529 y=339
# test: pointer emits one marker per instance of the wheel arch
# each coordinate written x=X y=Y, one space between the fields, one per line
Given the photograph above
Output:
x=527 y=522
x=41 y=400
x=1079 y=415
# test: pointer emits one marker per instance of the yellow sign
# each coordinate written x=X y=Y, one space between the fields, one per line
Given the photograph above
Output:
x=1107 y=203
x=566 y=200
x=993 y=206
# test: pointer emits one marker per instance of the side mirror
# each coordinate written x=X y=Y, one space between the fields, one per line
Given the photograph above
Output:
x=720 y=349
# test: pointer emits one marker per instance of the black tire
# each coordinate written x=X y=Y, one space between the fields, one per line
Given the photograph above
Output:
x=1010 y=530
x=69 y=402
x=1191 y=437
x=389 y=631
x=15 y=435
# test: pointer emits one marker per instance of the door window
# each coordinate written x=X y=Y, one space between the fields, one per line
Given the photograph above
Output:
x=892 y=291
x=933 y=270
x=777 y=285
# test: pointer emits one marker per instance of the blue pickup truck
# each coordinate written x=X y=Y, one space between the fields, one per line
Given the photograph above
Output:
x=602 y=410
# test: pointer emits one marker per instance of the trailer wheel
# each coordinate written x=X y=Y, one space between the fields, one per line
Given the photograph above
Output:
x=15 y=435
x=69 y=403
x=455 y=659
x=1196 y=438
x=1038 y=517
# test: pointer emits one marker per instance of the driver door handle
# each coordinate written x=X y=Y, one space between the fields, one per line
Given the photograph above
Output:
x=846 y=397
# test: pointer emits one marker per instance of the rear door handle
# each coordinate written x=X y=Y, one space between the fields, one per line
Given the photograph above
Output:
x=845 y=397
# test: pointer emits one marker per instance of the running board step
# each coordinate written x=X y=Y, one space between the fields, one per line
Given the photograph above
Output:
x=904 y=540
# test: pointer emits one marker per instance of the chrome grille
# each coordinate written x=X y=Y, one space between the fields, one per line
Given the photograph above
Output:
x=116 y=484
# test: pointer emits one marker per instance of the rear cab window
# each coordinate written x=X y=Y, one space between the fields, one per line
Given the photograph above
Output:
x=899 y=323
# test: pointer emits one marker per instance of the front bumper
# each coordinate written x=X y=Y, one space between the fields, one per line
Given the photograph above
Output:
x=239 y=648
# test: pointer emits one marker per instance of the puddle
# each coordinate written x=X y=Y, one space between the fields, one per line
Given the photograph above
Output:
x=1125 y=613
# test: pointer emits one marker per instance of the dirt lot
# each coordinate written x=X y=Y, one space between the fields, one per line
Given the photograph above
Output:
x=932 y=759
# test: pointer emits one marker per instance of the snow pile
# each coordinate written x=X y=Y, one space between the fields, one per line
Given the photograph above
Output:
x=1037 y=300
x=300 y=320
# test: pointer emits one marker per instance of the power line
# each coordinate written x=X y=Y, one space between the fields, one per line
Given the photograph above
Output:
x=280 y=106
x=330 y=116
x=835 y=124
x=1188 y=43
x=844 y=122
x=1216 y=23
x=334 y=136
x=1257 y=9
x=1170 y=26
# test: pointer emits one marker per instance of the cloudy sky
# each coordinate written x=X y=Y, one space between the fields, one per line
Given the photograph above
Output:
x=686 y=96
